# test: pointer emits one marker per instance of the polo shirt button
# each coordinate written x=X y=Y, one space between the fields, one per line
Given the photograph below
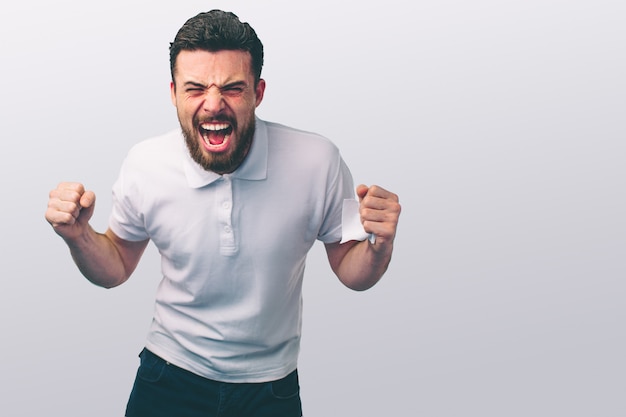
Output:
x=226 y=204
x=227 y=229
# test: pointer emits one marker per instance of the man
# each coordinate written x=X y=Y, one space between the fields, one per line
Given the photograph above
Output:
x=233 y=204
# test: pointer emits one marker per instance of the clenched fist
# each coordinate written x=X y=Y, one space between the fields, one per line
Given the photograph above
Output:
x=69 y=209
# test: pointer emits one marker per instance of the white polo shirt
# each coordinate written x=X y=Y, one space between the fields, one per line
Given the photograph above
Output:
x=233 y=246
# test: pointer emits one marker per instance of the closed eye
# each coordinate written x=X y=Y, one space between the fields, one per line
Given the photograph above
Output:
x=235 y=90
x=194 y=89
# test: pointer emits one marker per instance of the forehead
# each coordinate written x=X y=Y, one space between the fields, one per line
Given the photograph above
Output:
x=213 y=66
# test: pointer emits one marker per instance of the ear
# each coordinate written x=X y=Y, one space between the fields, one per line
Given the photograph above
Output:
x=173 y=93
x=260 y=91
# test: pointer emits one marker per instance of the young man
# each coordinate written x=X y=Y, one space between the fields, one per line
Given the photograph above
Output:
x=233 y=204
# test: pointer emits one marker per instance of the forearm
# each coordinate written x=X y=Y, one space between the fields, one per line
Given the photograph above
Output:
x=360 y=265
x=98 y=259
x=104 y=259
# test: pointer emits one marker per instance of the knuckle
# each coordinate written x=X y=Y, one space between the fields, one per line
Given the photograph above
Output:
x=71 y=186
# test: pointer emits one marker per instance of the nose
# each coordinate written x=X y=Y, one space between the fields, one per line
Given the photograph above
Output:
x=213 y=100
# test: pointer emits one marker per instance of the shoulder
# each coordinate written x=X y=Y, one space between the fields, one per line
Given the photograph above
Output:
x=156 y=152
x=158 y=159
x=306 y=142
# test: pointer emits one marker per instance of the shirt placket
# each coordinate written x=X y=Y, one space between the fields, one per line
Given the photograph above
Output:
x=228 y=246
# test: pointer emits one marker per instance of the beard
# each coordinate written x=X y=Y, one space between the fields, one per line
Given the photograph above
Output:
x=223 y=162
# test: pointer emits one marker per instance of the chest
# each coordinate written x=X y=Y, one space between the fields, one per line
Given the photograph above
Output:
x=259 y=218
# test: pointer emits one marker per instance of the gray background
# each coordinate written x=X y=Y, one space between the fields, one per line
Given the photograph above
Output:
x=499 y=123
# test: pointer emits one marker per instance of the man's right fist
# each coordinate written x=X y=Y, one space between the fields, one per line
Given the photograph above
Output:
x=69 y=209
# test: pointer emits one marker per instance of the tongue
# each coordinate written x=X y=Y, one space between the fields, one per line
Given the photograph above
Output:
x=216 y=138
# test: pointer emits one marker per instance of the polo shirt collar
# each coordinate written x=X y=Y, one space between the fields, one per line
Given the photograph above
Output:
x=254 y=167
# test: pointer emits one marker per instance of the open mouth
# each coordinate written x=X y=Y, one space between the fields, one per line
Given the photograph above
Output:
x=215 y=135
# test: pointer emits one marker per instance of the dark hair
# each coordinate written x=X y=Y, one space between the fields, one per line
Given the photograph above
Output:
x=217 y=30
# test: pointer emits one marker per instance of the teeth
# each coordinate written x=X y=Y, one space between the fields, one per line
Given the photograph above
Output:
x=214 y=127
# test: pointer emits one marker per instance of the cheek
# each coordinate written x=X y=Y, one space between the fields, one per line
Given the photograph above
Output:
x=186 y=108
x=245 y=106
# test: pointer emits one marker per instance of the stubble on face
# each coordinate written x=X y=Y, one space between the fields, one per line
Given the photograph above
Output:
x=220 y=163
x=216 y=104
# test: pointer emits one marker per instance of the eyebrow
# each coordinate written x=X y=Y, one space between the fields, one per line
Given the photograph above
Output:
x=202 y=85
x=194 y=84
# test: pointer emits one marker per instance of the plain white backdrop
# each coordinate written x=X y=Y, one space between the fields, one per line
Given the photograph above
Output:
x=499 y=123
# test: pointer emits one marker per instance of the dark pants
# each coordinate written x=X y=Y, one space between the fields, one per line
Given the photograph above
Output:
x=164 y=390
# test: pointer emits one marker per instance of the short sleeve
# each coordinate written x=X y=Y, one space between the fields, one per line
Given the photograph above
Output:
x=340 y=187
x=125 y=221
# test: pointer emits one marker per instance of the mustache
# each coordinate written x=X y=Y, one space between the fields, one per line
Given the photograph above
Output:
x=220 y=119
